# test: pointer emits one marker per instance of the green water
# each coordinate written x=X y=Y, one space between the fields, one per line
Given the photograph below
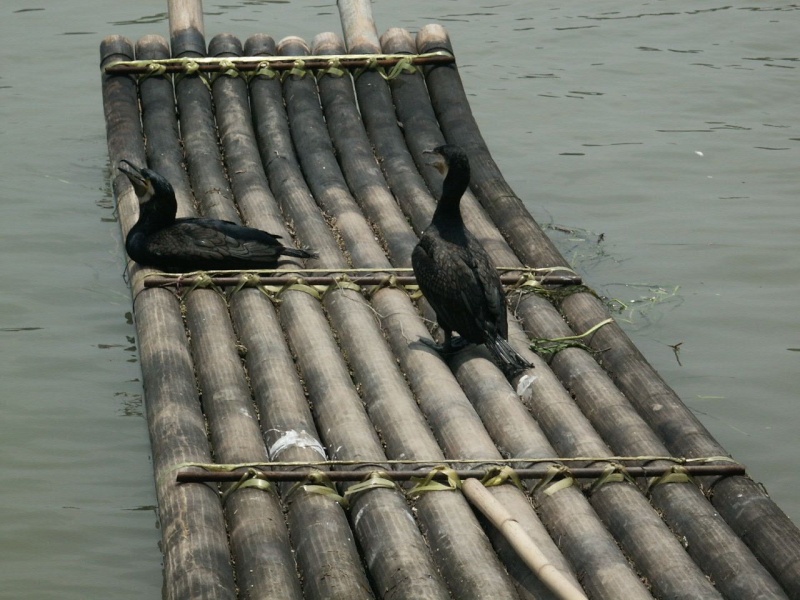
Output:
x=667 y=130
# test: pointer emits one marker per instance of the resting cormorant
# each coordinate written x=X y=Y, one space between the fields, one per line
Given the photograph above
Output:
x=456 y=275
x=191 y=244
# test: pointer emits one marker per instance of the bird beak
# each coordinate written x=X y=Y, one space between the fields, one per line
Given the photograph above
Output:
x=436 y=160
x=141 y=184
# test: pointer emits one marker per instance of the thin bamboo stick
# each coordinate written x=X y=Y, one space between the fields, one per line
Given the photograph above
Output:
x=196 y=565
x=247 y=64
x=194 y=474
x=503 y=520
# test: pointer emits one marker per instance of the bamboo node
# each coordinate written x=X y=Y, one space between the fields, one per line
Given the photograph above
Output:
x=427 y=484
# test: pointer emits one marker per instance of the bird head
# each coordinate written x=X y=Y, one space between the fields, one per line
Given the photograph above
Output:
x=447 y=156
x=146 y=182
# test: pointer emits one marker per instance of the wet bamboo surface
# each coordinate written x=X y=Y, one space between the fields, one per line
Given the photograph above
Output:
x=237 y=374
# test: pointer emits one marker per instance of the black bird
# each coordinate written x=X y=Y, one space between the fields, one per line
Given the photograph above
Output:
x=456 y=275
x=160 y=240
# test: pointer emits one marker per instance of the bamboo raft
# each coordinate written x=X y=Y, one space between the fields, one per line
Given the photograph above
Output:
x=305 y=445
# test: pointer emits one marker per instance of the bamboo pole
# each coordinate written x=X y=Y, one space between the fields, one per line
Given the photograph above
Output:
x=459 y=127
x=419 y=118
x=463 y=447
x=195 y=565
x=363 y=176
x=186 y=27
x=324 y=545
x=278 y=157
x=736 y=573
x=264 y=562
x=318 y=162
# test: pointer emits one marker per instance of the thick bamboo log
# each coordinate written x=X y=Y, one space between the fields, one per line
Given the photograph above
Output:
x=315 y=151
x=584 y=554
x=743 y=503
x=394 y=550
x=456 y=425
x=196 y=565
x=278 y=158
x=460 y=548
x=186 y=29
x=324 y=545
x=364 y=177
x=419 y=118
x=264 y=562
x=459 y=127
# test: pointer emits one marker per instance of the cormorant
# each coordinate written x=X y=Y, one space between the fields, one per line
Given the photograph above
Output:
x=160 y=240
x=456 y=275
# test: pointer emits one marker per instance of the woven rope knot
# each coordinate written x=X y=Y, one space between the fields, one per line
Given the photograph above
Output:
x=557 y=478
x=252 y=478
x=427 y=483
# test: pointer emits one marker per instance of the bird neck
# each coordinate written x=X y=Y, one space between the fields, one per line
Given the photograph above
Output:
x=453 y=188
x=158 y=212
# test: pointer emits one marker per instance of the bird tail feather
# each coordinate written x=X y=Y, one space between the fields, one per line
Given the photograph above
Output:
x=300 y=252
x=510 y=361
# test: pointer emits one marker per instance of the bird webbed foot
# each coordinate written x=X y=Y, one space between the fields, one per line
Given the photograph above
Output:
x=450 y=346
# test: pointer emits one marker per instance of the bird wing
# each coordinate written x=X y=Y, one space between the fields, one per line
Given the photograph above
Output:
x=448 y=277
x=206 y=239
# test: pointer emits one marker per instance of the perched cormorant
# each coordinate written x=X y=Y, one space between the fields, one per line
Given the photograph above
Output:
x=456 y=275
x=160 y=240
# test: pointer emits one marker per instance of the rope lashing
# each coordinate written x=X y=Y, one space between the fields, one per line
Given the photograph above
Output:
x=295 y=65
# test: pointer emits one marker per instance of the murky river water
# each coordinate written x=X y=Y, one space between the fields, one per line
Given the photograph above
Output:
x=659 y=140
